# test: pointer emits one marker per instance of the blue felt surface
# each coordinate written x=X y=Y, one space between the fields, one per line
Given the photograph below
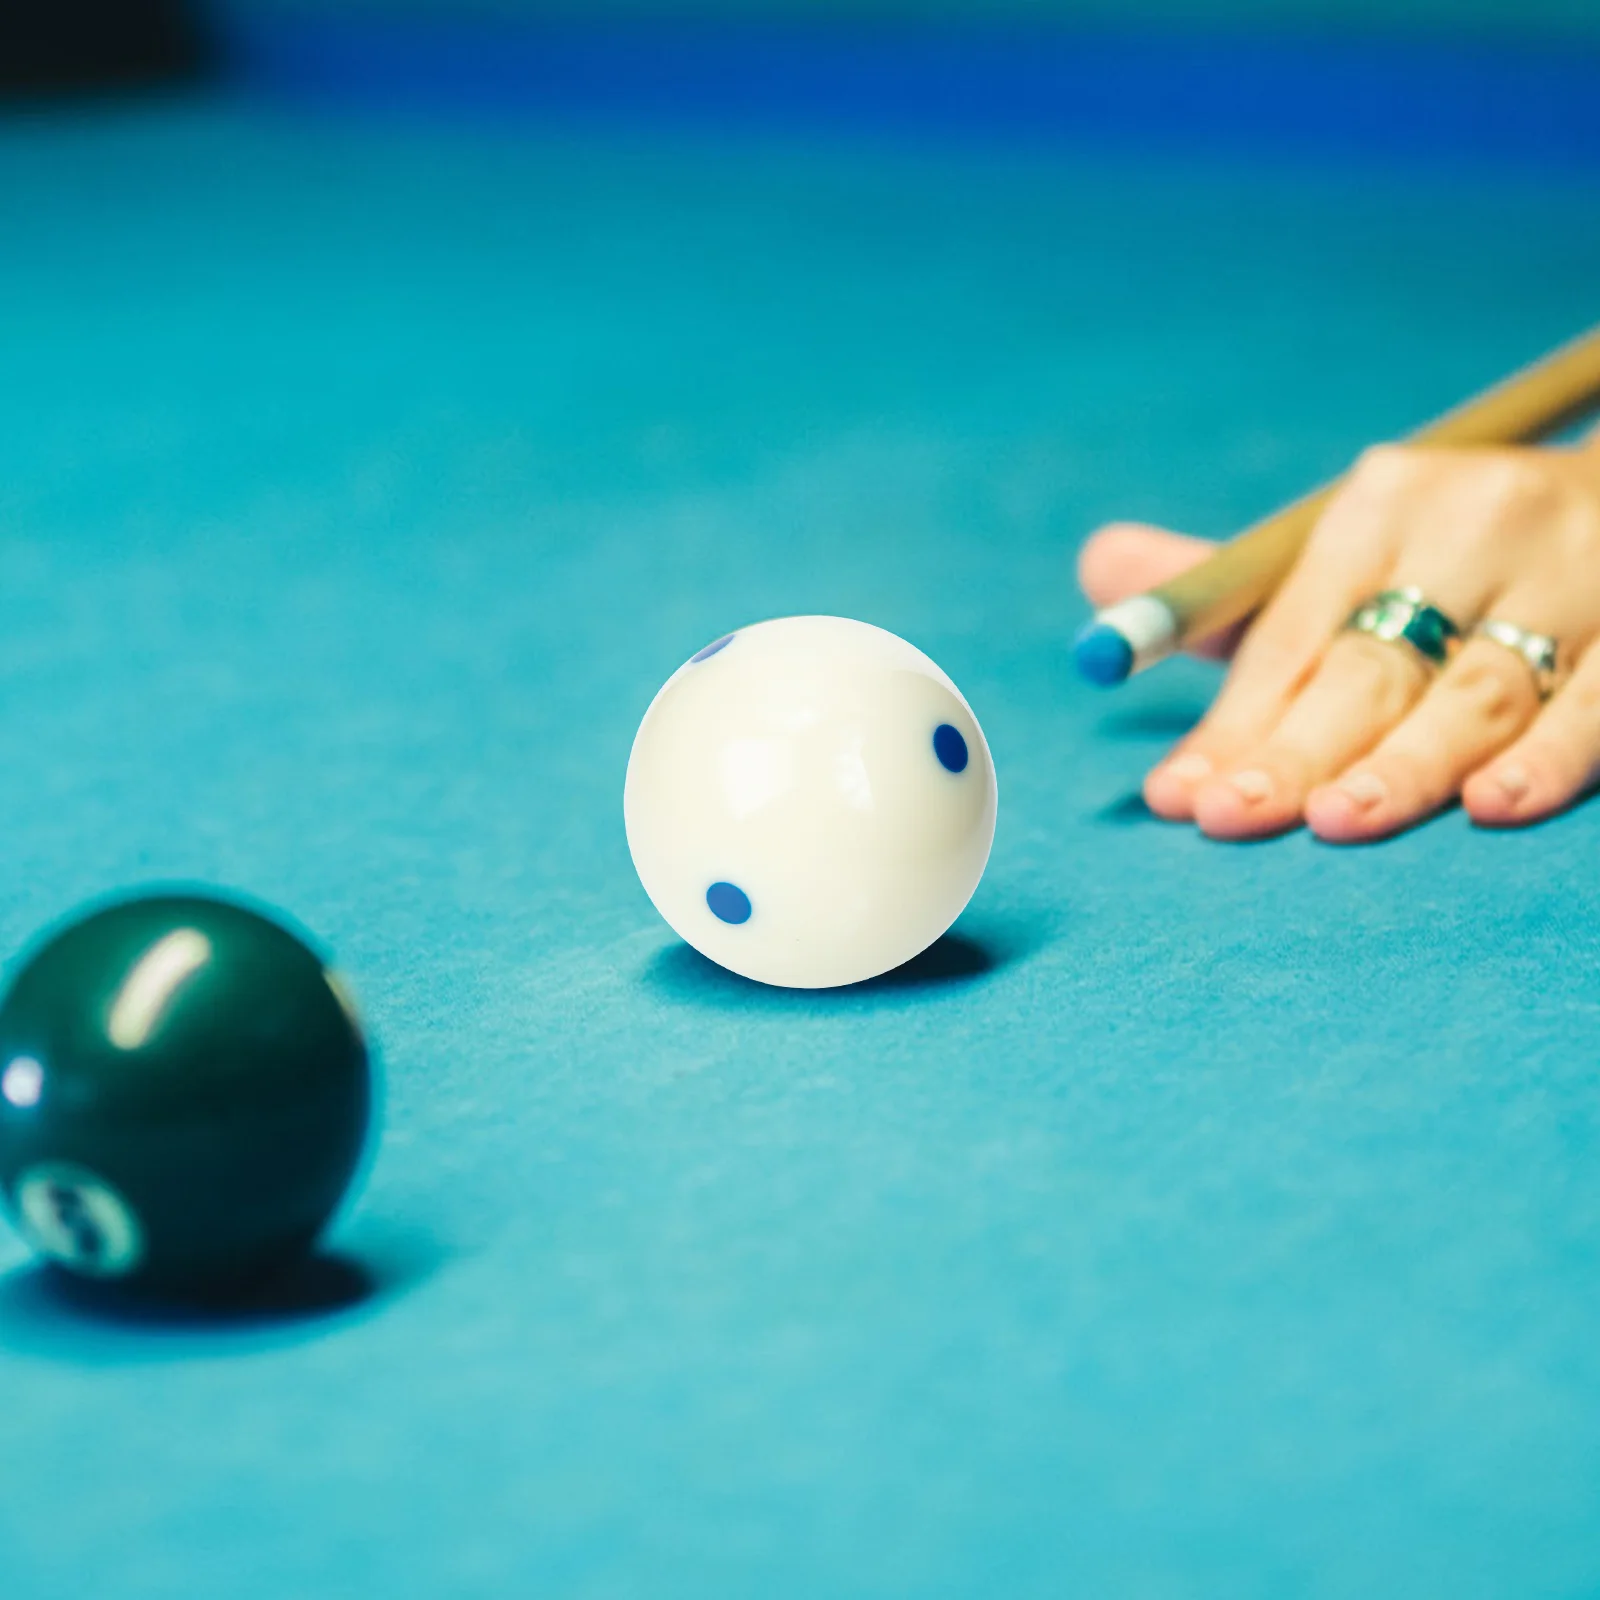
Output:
x=1203 y=1221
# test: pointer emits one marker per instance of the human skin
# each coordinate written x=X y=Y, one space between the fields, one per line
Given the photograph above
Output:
x=1357 y=738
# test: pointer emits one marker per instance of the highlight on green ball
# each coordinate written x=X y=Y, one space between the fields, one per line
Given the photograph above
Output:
x=186 y=1095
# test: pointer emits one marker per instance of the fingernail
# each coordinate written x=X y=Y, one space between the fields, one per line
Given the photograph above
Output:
x=1252 y=784
x=1365 y=788
x=1190 y=768
x=1513 y=780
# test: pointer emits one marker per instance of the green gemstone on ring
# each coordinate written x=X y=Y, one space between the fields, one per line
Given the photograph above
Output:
x=1430 y=631
x=1404 y=615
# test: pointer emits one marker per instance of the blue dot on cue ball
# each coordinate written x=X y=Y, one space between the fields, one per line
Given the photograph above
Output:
x=950 y=748
x=712 y=648
x=728 y=902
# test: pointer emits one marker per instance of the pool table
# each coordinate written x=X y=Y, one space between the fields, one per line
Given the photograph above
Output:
x=1192 y=1220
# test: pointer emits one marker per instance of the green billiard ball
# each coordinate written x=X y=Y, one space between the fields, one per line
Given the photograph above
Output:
x=185 y=1094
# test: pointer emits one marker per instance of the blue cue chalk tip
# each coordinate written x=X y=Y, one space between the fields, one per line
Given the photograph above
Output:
x=1102 y=655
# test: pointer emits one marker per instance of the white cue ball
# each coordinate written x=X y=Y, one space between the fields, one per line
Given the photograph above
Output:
x=810 y=801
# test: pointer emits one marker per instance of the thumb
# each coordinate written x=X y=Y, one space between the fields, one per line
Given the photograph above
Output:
x=1126 y=558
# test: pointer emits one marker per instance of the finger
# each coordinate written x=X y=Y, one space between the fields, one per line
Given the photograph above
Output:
x=1363 y=687
x=1554 y=763
x=1360 y=690
x=1127 y=558
x=1347 y=557
x=1476 y=707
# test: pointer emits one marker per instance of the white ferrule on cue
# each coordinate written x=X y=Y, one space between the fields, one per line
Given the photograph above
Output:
x=1148 y=626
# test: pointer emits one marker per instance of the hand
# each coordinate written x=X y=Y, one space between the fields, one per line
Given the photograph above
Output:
x=1356 y=737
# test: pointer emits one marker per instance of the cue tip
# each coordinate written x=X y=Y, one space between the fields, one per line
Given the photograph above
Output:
x=1123 y=639
x=1102 y=656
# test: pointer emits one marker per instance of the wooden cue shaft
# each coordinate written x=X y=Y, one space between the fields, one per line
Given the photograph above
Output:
x=1539 y=401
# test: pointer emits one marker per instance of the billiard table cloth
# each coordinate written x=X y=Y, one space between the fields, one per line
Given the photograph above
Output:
x=1194 y=1220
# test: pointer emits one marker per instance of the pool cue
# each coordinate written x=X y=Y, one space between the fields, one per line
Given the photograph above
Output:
x=1533 y=404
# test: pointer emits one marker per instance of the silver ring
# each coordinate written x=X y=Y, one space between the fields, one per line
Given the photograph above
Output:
x=1407 y=616
x=1538 y=650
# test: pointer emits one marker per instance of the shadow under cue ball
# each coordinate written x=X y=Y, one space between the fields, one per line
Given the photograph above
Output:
x=185 y=1094
x=810 y=801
